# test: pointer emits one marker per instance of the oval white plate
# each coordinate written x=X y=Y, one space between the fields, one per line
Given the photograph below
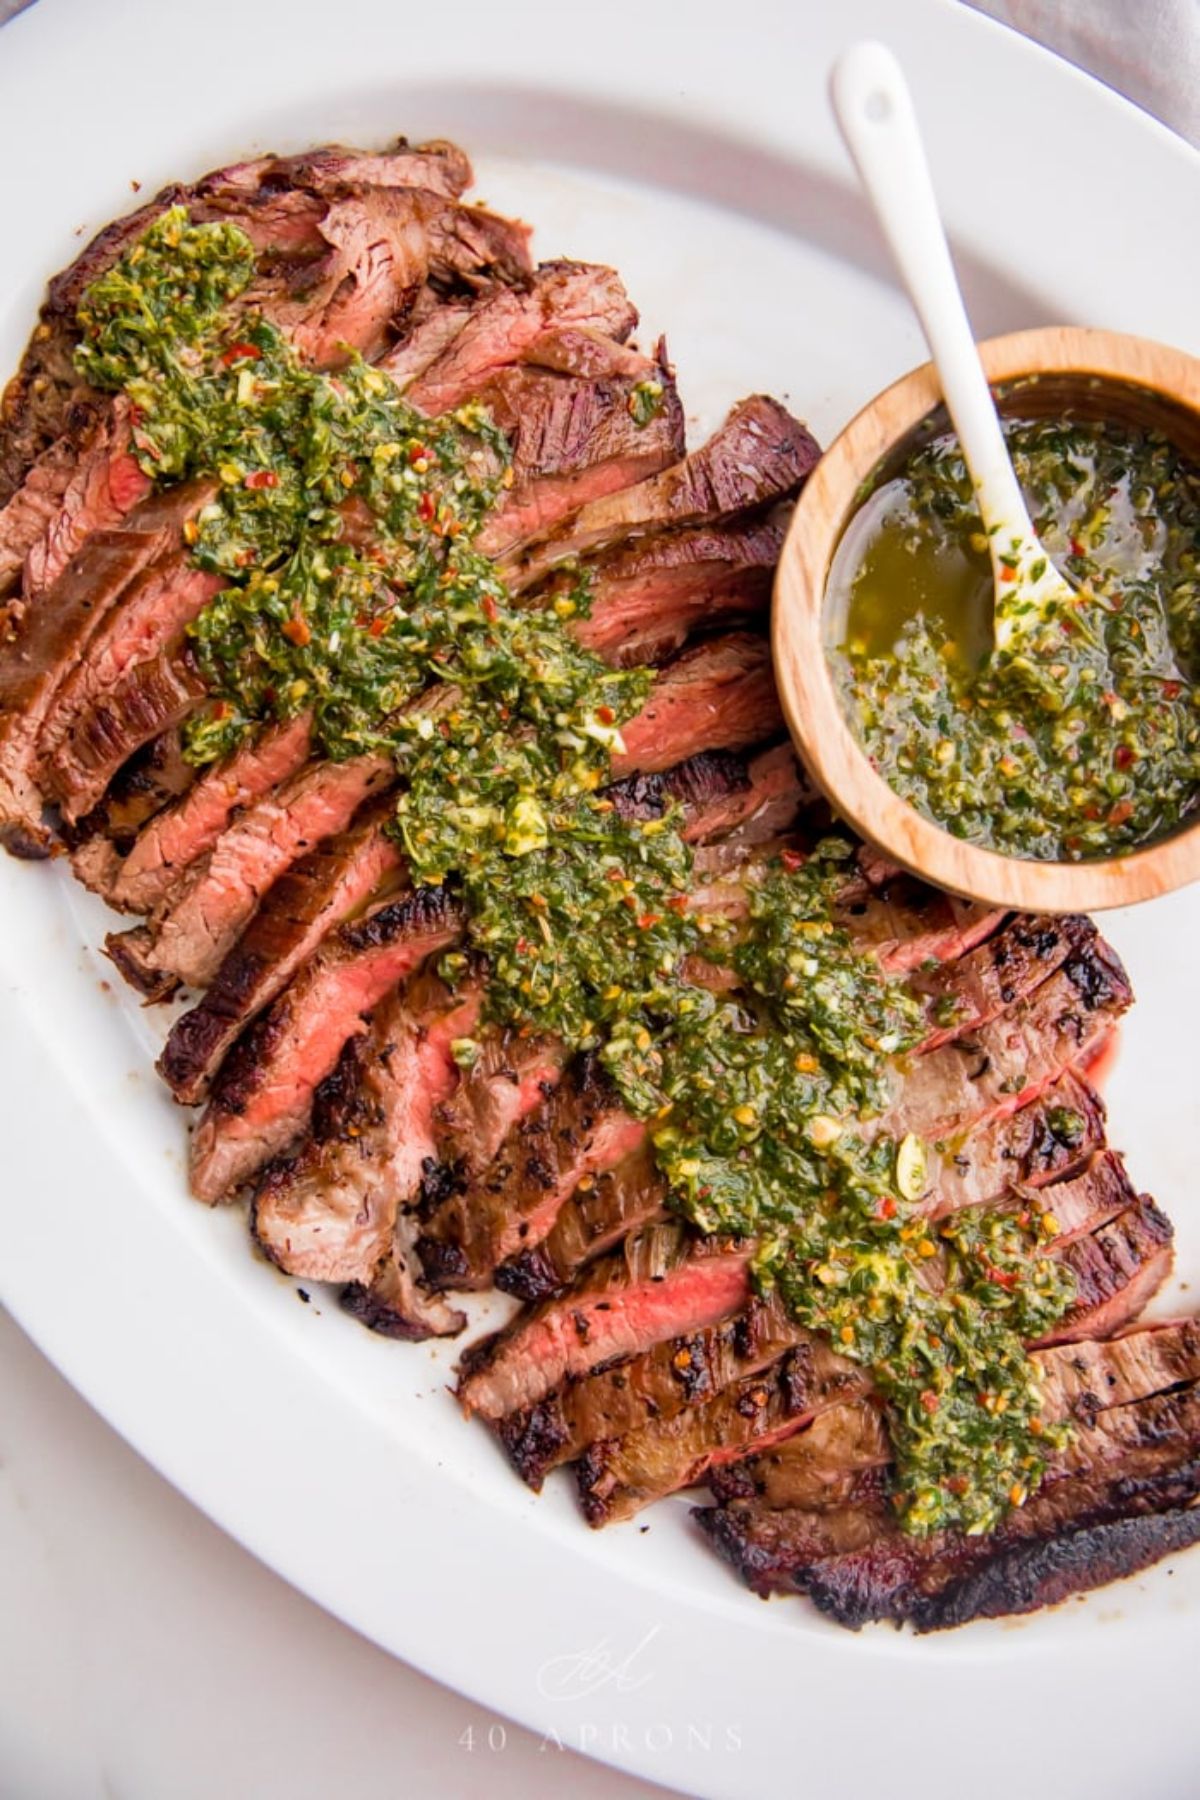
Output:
x=691 y=147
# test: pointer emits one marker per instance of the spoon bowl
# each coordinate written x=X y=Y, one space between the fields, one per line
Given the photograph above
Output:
x=1052 y=372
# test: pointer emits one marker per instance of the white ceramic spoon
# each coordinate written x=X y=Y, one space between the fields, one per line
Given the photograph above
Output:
x=875 y=111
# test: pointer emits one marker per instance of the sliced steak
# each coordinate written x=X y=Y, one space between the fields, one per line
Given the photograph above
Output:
x=660 y=1283
x=330 y=1213
x=27 y=515
x=150 y=616
x=329 y=884
x=511 y=1077
x=1002 y=1066
x=54 y=634
x=172 y=842
x=581 y=1130
x=573 y=440
x=153 y=697
x=263 y=1098
x=508 y=323
x=1117 y=1271
x=189 y=942
x=158 y=776
x=618 y=1476
x=425 y=340
x=597 y=1216
x=759 y=455
x=105 y=485
x=438 y=166
x=978 y=987
x=670 y=1375
x=1051 y=1137
x=648 y=596
x=822 y=1466
x=720 y=695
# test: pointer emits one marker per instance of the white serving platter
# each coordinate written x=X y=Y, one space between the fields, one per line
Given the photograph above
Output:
x=693 y=148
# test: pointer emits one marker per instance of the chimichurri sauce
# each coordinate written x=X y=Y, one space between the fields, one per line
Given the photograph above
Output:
x=1086 y=741
x=343 y=524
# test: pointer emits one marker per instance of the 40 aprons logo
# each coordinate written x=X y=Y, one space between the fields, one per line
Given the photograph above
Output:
x=612 y=1671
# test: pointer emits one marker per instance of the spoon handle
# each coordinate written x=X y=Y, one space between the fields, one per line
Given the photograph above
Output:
x=875 y=112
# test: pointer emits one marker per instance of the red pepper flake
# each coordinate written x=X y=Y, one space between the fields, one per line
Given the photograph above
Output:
x=261 y=478
x=1005 y=1278
x=221 y=710
x=702 y=1193
x=426 y=508
x=137 y=415
x=297 y=631
x=1077 y=548
x=678 y=903
x=489 y=609
x=417 y=453
x=244 y=558
x=1122 y=756
x=791 y=860
x=647 y=920
x=379 y=625
x=522 y=946
x=615 y=874
x=1121 y=812
x=1172 y=690
x=886 y=1208
x=606 y=715
x=930 y=1401
x=241 y=352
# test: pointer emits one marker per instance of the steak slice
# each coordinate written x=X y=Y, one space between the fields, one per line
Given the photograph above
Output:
x=675 y=1373
x=835 y=1461
x=594 y=1219
x=759 y=455
x=175 y=840
x=52 y=637
x=104 y=486
x=1001 y=1067
x=425 y=339
x=573 y=441
x=27 y=514
x=330 y=1213
x=150 y=616
x=438 y=166
x=263 y=1097
x=660 y=1282
x=153 y=697
x=1117 y=1271
x=719 y=695
x=509 y=322
x=1051 y=1137
x=1139 y=1460
x=618 y=1476
x=639 y=1395
x=510 y=1078
x=201 y=925
x=325 y=887
x=646 y=597
x=1007 y=967
x=154 y=779
x=581 y=1130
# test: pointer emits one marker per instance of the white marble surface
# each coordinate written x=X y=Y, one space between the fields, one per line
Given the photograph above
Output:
x=145 y=1656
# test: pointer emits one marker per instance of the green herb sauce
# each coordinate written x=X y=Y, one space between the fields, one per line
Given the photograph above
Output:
x=344 y=524
x=1085 y=742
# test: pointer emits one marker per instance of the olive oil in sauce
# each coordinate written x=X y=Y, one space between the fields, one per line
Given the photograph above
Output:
x=1082 y=742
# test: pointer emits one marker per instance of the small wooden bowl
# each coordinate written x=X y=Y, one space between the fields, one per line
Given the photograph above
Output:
x=1041 y=373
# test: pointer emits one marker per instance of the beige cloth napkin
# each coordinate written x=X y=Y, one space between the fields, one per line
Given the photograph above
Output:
x=1148 y=50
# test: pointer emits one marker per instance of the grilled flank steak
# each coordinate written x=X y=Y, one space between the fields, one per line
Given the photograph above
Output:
x=321 y=707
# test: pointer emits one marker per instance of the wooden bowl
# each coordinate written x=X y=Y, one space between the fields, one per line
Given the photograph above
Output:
x=1046 y=372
